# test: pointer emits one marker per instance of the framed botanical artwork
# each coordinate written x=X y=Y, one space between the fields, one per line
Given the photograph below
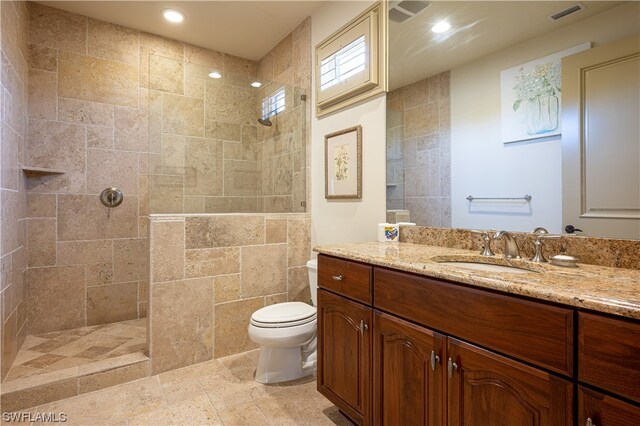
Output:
x=343 y=164
x=351 y=64
x=531 y=97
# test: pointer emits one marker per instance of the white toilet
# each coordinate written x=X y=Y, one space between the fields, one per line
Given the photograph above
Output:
x=286 y=333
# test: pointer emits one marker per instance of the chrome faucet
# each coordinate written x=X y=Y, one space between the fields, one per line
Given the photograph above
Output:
x=511 y=250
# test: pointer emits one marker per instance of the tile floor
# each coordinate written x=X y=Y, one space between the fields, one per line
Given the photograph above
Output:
x=58 y=350
x=218 y=392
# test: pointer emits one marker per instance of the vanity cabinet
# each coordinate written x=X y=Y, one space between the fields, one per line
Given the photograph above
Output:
x=344 y=336
x=408 y=377
x=488 y=389
x=597 y=409
x=441 y=353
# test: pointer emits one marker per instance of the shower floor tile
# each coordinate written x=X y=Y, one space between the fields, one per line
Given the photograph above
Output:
x=44 y=353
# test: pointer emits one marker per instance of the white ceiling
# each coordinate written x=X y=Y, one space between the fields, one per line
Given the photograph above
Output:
x=478 y=29
x=248 y=29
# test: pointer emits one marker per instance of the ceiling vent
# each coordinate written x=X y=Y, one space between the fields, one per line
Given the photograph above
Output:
x=401 y=10
x=568 y=11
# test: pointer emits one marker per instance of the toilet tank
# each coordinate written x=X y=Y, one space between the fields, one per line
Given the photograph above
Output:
x=312 y=269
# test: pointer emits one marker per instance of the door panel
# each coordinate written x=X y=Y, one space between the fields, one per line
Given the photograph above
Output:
x=408 y=389
x=344 y=361
x=601 y=140
x=488 y=389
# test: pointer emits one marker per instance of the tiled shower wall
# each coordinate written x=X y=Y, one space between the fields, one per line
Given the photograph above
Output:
x=13 y=121
x=419 y=150
x=203 y=154
x=283 y=165
x=87 y=119
x=208 y=152
x=209 y=273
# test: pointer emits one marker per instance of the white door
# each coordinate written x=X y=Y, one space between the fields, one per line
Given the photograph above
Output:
x=601 y=140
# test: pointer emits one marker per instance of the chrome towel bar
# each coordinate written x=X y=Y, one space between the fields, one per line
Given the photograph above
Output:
x=526 y=198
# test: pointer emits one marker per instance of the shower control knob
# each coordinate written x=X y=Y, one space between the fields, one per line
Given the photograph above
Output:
x=111 y=197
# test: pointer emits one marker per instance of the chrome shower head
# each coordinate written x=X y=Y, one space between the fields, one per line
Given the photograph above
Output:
x=265 y=122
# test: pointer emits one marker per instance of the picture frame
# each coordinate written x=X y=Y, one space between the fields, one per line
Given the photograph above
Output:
x=531 y=98
x=336 y=90
x=343 y=164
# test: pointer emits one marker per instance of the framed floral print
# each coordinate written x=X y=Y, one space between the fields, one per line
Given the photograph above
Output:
x=531 y=93
x=343 y=164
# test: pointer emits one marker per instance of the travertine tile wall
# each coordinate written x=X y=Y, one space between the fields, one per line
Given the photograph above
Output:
x=209 y=273
x=87 y=118
x=13 y=121
x=282 y=148
x=419 y=141
x=203 y=154
x=229 y=164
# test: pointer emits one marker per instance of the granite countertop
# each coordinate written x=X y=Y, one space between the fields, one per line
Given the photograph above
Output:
x=604 y=289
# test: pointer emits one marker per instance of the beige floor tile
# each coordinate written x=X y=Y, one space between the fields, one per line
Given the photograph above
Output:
x=295 y=405
x=25 y=355
x=43 y=361
x=245 y=413
x=227 y=389
x=19 y=371
x=195 y=411
x=67 y=362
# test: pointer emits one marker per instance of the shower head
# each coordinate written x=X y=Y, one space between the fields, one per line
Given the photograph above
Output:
x=265 y=122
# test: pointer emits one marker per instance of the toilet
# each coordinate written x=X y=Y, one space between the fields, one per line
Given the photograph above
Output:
x=286 y=333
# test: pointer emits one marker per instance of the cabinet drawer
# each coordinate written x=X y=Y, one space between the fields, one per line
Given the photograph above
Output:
x=534 y=332
x=605 y=410
x=350 y=279
x=609 y=354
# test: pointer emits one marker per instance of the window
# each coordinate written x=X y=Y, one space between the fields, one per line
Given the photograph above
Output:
x=343 y=64
x=273 y=104
x=351 y=64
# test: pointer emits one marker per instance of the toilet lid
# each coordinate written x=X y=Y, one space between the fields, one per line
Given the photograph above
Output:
x=285 y=314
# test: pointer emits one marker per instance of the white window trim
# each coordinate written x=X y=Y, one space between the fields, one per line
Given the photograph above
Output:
x=372 y=24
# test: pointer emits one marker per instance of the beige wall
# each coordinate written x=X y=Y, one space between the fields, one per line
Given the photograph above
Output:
x=231 y=163
x=13 y=119
x=202 y=144
x=337 y=221
x=88 y=119
x=209 y=273
x=282 y=149
x=419 y=150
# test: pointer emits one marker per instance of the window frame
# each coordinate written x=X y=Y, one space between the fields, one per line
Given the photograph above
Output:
x=372 y=24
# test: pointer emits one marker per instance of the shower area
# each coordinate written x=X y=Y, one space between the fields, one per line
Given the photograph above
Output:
x=225 y=140
x=209 y=152
x=227 y=179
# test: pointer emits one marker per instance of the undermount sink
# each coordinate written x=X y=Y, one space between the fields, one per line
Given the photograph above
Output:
x=486 y=267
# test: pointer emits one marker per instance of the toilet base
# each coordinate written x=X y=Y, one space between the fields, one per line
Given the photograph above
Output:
x=277 y=365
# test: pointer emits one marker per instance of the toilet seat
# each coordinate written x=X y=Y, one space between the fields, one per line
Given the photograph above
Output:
x=282 y=315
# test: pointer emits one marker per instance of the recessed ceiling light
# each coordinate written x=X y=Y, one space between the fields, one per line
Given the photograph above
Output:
x=215 y=74
x=173 y=15
x=256 y=84
x=441 y=27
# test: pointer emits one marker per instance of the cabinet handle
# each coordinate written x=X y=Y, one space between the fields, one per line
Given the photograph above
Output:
x=451 y=367
x=434 y=360
x=590 y=422
x=337 y=277
x=363 y=327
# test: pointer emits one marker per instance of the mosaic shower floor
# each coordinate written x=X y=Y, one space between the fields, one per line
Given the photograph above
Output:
x=45 y=353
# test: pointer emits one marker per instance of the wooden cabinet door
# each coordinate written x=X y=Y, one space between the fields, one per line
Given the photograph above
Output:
x=596 y=409
x=344 y=349
x=488 y=389
x=408 y=386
